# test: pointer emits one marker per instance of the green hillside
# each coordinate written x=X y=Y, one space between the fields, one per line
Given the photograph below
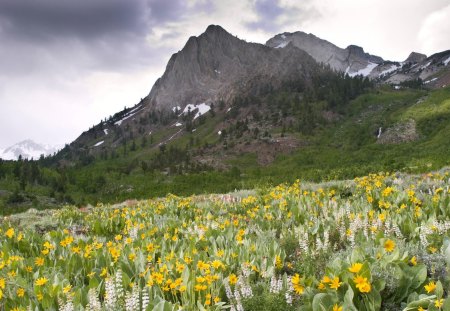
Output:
x=344 y=145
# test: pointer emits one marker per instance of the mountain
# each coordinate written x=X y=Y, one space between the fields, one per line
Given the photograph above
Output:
x=217 y=73
x=210 y=71
x=352 y=60
x=28 y=149
x=216 y=65
x=229 y=114
x=433 y=70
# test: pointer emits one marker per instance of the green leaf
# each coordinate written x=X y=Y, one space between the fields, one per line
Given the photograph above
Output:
x=447 y=253
x=424 y=302
x=348 y=300
x=322 y=302
x=439 y=290
x=446 y=306
x=163 y=306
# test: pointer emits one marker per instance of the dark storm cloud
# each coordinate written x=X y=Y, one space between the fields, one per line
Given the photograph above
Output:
x=39 y=20
x=267 y=11
x=86 y=34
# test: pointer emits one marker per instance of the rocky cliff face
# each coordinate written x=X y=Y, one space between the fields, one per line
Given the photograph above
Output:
x=353 y=60
x=215 y=65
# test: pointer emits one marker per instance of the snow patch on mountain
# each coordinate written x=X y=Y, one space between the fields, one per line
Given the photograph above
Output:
x=425 y=66
x=446 y=61
x=202 y=109
x=365 y=71
x=128 y=115
x=429 y=81
x=282 y=45
x=389 y=70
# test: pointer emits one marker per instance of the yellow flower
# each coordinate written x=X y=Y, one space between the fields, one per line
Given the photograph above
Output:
x=41 y=281
x=336 y=307
x=67 y=289
x=208 y=300
x=356 y=267
x=2 y=283
x=387 y=191
x=439 y=303
x=20 y=292
x=296 y=279
x=39 y=261
x=430 y=287
x=104 y=272
x=389 y=245
x=362 y=284
x=335 y=284
x=413 y=261
x=9 y=233
x=326 y=279
x=232 y=279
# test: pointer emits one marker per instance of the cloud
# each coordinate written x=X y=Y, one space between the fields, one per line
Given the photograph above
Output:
x=434 y=33
x=273 y=16
x=48 y=20
x=268 y=12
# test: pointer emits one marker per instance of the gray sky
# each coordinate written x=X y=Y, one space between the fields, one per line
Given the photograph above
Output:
x=66 y=64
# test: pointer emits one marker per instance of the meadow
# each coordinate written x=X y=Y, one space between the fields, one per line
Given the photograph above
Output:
x=379 y=242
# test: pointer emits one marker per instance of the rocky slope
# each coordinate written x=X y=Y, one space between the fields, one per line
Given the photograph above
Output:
x=211 y=70
x=352 y=59
x=217 y=65
x=433 y=70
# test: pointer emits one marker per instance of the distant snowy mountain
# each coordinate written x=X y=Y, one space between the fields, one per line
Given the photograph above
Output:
x=28 y=149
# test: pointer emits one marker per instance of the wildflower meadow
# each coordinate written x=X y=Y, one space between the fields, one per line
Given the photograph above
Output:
x=379 y=242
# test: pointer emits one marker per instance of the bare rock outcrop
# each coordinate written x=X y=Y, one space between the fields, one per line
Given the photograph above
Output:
x=216 y=64
x=352 y=60
x=399 y=133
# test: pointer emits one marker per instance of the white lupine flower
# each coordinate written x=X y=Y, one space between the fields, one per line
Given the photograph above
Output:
x=288 y=296
x=145 y=300
x=245 y=271
x=132 y=300
x=110 y=294
x=119 y=287
x=93 y=301
x=133 y=233
x=228 y=291
x=273 y=285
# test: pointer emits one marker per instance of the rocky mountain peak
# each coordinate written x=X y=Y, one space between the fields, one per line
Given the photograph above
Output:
x=352 y=60
x=215 y=64
x=356 y=50
x=415 y=57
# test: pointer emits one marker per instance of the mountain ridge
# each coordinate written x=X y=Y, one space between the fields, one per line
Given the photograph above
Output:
x=27 y=149
x=218 y=70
